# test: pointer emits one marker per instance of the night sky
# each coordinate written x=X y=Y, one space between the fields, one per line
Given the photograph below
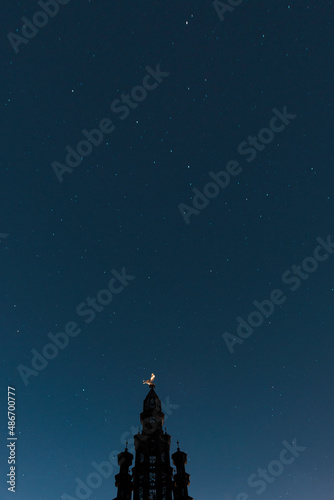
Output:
x=167 y=206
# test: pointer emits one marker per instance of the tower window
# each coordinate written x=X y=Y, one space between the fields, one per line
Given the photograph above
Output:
x=152 y=459
x=152 y=477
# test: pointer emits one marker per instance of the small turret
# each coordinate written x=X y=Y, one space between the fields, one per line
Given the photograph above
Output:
x=123 y=480
x=181 y=478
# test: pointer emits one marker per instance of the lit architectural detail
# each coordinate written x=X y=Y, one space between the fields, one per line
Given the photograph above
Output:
x=152 y=476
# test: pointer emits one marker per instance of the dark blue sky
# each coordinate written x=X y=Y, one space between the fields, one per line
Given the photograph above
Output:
x=181 y=98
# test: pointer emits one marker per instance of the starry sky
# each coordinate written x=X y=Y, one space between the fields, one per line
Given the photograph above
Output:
x=167 y=206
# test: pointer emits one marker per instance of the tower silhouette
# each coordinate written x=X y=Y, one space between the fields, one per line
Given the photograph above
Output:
x=152 y=476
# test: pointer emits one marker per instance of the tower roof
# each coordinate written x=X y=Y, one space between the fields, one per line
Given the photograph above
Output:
x=152 y=401
x=152 y=475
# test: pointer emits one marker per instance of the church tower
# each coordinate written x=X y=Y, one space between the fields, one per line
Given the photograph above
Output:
x=152 y=475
